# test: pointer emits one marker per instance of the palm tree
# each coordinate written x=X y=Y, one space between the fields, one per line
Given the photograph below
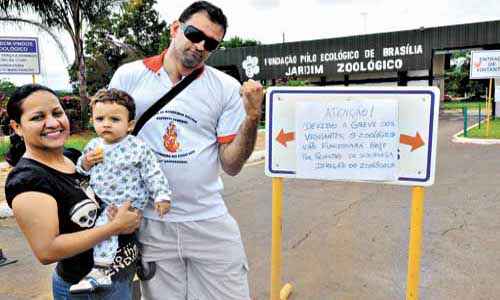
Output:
x=68 y=15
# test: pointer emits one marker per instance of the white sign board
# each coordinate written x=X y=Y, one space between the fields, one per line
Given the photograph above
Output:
x=485 y=64
x=497 y=91
x=19 y=55
x=385 y=135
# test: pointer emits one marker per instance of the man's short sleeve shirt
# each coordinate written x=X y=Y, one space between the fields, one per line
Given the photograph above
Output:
x=186 y=133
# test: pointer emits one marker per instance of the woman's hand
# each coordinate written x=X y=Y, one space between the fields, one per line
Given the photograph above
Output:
x=127 y=219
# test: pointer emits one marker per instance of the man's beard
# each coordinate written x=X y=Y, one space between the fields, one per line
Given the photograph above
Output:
x=190 y=61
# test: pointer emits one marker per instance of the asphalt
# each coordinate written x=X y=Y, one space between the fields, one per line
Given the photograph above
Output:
x=27 y=278
x=349 y=240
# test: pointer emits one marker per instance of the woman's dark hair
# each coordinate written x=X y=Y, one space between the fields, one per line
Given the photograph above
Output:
x=14 y=110
x=215 y=14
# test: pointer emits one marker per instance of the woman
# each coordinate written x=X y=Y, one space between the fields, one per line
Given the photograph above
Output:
x=53 y=210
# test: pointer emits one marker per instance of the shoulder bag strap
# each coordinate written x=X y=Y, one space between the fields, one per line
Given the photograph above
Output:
x=153 y=109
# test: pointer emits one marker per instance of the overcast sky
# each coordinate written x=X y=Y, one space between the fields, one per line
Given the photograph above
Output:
x=269 y=21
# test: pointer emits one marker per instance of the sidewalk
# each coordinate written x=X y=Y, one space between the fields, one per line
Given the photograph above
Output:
x=5 y=211
x=260 y=145
x=4 y=171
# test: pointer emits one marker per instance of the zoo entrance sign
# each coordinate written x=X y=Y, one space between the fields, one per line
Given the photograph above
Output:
x=19 y=55
x=306 y=63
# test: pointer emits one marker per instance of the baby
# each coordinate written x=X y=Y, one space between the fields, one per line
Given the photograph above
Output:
x=121 y=168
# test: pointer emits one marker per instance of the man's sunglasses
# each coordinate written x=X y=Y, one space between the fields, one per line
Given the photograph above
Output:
x=195 y=35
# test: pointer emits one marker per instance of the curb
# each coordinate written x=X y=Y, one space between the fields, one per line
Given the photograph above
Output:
x=5 y=211
x=462 y=140
x=256 y=156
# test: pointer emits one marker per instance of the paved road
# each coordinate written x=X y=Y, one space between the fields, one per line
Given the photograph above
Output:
x=349 y=240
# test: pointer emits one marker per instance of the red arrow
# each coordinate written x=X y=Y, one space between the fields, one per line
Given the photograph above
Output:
x=414 y=141
x=283 y=137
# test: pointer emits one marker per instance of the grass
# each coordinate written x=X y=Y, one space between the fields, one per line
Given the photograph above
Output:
x=480 y=133
x=77 y=141
x=4 y=147
x=459 y=104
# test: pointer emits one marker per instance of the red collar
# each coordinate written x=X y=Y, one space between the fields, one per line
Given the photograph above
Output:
x=154 y=63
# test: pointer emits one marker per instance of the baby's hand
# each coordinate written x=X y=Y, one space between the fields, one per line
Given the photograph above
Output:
x=162 y=207
x=92 y=158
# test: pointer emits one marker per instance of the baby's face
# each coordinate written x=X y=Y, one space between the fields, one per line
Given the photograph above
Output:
x=111 y=121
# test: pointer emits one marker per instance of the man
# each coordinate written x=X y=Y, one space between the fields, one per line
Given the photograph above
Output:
x=197 y=247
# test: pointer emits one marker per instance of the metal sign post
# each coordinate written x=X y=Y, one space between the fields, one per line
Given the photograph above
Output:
x=415 y=244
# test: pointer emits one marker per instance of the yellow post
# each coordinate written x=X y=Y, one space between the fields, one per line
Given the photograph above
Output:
x=276 y=238
x=489 y=110
x=33 y=78
x=415 y=244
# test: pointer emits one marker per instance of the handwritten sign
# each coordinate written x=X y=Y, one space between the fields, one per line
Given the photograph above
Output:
x=347 y=140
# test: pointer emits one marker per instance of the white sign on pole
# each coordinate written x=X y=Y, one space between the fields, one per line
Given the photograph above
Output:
x=19 y=55
x=386 y=135
x=497 y=90
x=485 y=64
x=347 y=139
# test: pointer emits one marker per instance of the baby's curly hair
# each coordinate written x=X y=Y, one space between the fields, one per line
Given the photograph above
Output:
x=115 y=96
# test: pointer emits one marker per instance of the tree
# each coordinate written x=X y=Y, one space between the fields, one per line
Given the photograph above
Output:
x=140 y=28
x=68 y=15
x=6 y=88
x=457 y=81
x=237 y=42
x=131 y=33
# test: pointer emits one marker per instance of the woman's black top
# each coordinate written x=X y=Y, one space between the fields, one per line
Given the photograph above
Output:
x=75 y=209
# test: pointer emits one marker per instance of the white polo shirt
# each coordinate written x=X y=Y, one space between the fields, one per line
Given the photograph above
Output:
x=186 y=133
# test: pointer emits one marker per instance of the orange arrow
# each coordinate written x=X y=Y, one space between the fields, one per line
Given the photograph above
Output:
x=414 y=141
x=283 y=137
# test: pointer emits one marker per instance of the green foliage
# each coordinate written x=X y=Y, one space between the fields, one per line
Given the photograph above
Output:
x=164 y=39
x=133 y=32
x=139 y=26
x=296 y=82
x=78 y=141
x=237 y=42
x=64 y=93
x=471 y=105
x=285 y=81
x=6 y=88
x=4 y=147
x=457 y=82
x=61 y=14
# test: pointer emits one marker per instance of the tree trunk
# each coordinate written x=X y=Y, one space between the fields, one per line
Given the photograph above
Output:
x=82 y=80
